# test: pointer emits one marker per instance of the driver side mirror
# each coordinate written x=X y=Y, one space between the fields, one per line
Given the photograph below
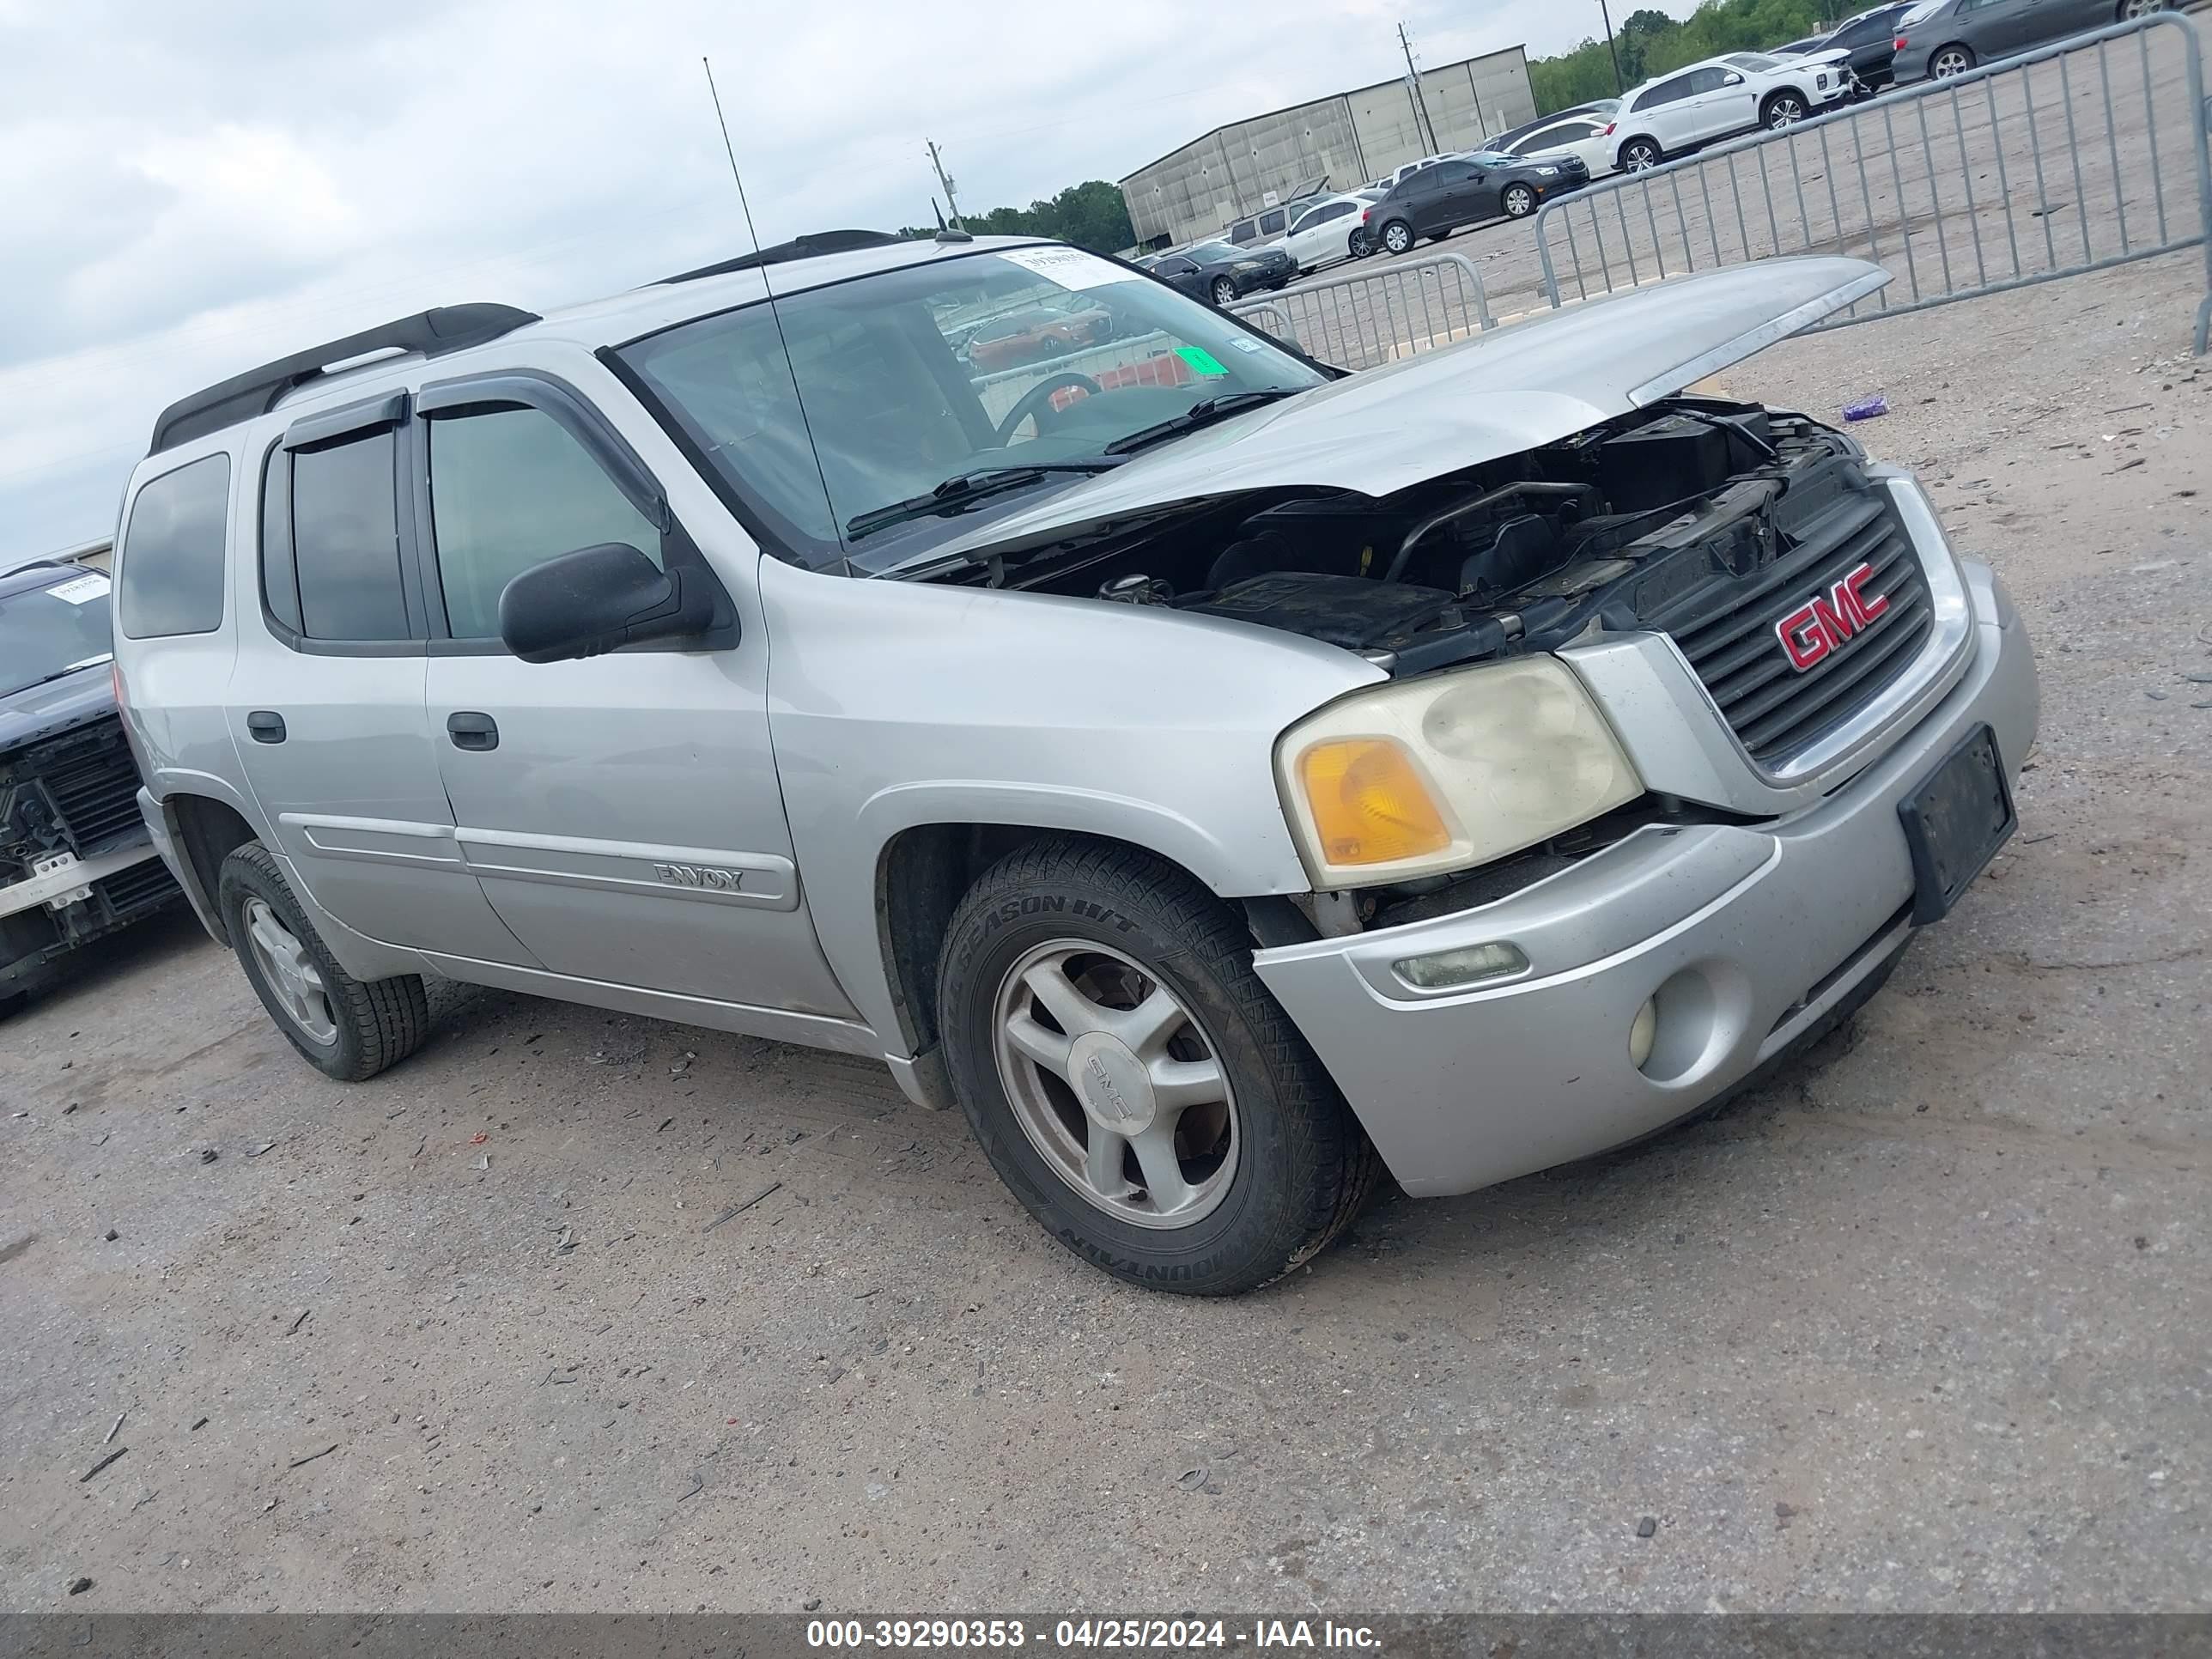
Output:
x=1733 y=80
x=596 y=599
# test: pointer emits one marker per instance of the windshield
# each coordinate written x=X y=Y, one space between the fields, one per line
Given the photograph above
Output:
x=1030 y=358
x=46 y=631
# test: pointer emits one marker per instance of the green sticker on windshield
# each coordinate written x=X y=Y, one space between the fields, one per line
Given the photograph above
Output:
x=1201 y=360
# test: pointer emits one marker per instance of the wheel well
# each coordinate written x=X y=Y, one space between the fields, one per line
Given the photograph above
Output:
x=921 y=878
x=1638 y=139
x=208 y=832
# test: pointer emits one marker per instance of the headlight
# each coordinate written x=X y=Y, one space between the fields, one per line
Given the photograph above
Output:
x=1246 y=264
x=1546 y=172
x=1443 y=773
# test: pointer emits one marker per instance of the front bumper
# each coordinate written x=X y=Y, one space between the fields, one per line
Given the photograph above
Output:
x=1748 y=937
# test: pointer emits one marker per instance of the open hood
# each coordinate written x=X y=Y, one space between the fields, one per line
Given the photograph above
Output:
x=1513 y=389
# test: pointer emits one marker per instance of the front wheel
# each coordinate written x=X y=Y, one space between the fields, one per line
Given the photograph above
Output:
x=346 y=1027
x=1397 y=236
x=1640 y=156
x=1132 y=1081
x=1952 y=60
x=1784 y=109
x=1225 y=292
x=1519 y=201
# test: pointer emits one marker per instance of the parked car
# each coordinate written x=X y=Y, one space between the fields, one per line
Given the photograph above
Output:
x=76 y=860
x=1702 y=103
x=1397 y=176
x=1949 y=37
x=1465 y=191
x=1222 y=274
x=1603 y=108
x=1331 y=229
x=1265 y=226
x=1222 y=787
x=1034 y=335
x=1582 y=136
x=1869 y=38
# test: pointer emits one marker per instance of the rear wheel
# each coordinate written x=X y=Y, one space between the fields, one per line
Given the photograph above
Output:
x=1641 y=155
x=2131 y=10
x=1950 y=61
x=347 y=1028
x=1519 y=201
x=1225 y=292
x=1397 y=236
x=1133 y=1082
x=1783 y=109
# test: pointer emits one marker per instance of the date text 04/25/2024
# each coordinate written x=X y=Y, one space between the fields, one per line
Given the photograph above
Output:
x=1169 y=1634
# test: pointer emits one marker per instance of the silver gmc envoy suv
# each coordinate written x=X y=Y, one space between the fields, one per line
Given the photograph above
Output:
x=1225 y=778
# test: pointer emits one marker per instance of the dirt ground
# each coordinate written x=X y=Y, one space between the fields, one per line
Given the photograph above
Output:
x=1921 y=1327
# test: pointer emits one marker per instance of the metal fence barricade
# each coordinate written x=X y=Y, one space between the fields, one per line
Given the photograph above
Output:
x=2079 y=156
x=1360 y=319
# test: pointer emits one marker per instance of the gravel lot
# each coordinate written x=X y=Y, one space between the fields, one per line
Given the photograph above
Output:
x=1922 y=1327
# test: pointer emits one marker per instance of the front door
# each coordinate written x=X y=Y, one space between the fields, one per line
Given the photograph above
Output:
x=1726 y=102
x=622 y=811
x=325 y=696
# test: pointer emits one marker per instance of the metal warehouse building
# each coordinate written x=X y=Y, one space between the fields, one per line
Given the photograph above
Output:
x=1348 y=138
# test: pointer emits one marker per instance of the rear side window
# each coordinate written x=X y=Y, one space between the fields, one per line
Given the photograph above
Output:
x=1271 y=224
x=171 y=576
x=1665 y=92
x=345 y=541
x=509 y=490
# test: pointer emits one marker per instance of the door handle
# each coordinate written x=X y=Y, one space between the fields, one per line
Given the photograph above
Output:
x=471 y=730
x=266 y=725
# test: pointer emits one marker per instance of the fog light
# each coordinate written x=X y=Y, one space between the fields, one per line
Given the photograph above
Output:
x=1641 y=1032
x=1470 y=966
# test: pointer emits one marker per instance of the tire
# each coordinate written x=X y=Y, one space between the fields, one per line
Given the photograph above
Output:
x=1518 y=201
x=1225 y=293
x=1397 y=236
x=1359 y=244
x=1783 y=109
x=1641 y=155
x=1946 y=61
x=362 y=1026
x=1263 y=1178
x=2131 y=10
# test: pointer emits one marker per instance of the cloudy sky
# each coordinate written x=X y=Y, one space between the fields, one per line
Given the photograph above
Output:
x=186 y=190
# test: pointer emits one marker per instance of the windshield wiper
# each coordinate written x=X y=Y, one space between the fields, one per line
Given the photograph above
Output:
x=1203 y=412
x=61 y=673
x=962 y=488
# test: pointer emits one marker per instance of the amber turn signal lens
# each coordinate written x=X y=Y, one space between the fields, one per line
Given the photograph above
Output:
x=1369 y=805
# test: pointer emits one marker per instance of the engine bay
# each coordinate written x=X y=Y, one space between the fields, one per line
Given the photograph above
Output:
x=1603 y=531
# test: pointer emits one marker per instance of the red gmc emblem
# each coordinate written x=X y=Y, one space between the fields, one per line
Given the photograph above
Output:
x=1825 y=622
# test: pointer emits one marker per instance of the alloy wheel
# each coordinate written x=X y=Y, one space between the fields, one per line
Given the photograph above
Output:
x=1949 y=61
x=1784 y=112
x=1225 y=292
x=1116 y=1084
x=1397 y=239
x=1519 y=199
x=291 y=972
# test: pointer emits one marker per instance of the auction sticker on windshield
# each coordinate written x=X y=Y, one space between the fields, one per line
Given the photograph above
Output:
x=81 y=590
x=1070 y=267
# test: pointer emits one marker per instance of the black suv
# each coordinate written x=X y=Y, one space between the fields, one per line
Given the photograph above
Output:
x=75 y=859
x=1467 y=190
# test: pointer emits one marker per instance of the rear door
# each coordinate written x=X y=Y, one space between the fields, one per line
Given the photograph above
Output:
x=622 y=812
x=325 y=699
x=1664 y=112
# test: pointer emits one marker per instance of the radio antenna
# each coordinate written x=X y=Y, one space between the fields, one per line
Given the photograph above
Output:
x=775 y=316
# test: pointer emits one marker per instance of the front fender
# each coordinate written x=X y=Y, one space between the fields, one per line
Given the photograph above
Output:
x=892 y=705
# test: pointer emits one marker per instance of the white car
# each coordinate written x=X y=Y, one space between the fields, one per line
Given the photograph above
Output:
x=1582 y=135
x=1720 y=98
x=1325 y=230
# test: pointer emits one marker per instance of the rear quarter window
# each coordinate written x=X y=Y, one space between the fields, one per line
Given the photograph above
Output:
x=170 y=563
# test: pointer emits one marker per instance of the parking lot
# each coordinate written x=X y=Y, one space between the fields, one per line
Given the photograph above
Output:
x=1934 y=188
x=1919 y=1327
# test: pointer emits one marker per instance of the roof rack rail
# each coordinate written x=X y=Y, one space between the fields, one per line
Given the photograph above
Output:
x=432 y=332
x=811 y=246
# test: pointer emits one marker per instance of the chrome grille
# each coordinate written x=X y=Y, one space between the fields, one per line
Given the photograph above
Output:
x=1727 y=630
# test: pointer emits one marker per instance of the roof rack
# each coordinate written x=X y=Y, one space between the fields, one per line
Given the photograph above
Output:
x=809 y=246
x=432 y=332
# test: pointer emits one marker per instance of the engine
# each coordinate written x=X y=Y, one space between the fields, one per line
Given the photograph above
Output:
x=1605 y=530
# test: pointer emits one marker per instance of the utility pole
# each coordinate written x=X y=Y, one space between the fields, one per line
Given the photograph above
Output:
x=1413 y=84
x=950 y=201
x=1606 y=13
